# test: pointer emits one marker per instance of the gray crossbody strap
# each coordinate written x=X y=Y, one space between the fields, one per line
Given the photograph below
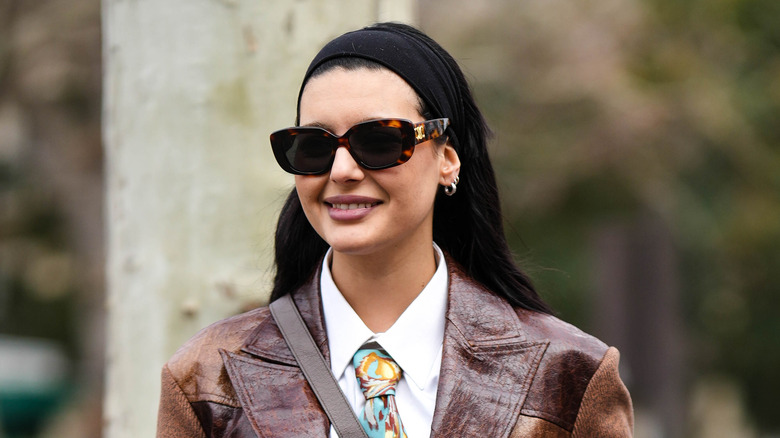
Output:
x=315 y=369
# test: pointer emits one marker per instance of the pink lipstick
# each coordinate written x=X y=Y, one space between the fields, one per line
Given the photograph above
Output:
x=350 y=207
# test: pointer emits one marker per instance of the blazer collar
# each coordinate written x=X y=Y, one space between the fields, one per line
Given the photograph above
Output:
x=487 y=364
x=267 y=341
x=275 y=396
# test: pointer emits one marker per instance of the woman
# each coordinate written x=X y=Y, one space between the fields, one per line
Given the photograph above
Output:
x=392 y=247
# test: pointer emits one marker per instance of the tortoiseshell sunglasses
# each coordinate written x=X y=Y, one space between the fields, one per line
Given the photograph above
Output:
x=375 y=144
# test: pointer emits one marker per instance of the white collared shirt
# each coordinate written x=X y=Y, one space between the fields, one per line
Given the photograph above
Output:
x=414 y=342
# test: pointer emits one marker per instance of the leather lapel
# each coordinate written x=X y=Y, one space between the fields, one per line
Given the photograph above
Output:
x=487 y=364
x=273 y=392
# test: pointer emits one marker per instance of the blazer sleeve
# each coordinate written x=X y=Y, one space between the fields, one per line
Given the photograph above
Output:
x=606 y=409
x=175 y=417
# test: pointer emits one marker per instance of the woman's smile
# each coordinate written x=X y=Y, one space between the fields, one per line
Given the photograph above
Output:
x=350 y=207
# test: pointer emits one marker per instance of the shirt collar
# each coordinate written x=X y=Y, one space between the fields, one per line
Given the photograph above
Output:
x=415 y=339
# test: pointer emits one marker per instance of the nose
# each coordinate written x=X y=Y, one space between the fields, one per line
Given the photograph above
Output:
x=345 y=168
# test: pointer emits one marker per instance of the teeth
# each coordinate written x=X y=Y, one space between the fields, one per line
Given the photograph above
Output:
x=350 y=206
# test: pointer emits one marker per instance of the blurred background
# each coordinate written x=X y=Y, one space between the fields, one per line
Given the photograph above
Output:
x=637 y=146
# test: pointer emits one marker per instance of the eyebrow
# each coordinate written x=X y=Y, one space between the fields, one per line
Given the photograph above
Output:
x=317 y=125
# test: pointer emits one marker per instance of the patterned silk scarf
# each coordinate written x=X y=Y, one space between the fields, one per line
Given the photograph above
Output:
x=377 y=373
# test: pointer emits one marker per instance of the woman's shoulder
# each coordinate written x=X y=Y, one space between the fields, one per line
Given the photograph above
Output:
x=574 y=367
x=566 y=368
x=560 y=335
x=202 y=351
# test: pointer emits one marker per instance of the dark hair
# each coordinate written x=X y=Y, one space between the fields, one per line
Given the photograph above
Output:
x=467 y=226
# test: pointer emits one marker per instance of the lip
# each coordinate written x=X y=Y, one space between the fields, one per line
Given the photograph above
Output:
x=350 y=207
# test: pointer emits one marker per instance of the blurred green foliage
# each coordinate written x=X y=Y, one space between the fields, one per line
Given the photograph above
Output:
x=35 y=291
x=606 y=111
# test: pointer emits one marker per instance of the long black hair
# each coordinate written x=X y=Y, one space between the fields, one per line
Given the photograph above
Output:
x=467 y=226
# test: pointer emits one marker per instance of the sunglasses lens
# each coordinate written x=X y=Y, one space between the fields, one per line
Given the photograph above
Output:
x=309 y=151
x=377 y=146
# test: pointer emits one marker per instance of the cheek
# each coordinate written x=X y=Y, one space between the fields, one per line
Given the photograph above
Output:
x=308 y=188
x=427 y=171
x=415 y=189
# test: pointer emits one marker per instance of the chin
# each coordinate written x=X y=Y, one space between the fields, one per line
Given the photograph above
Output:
x=352 y=246
x=354 y=249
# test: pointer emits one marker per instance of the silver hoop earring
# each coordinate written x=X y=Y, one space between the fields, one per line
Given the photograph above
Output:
x=452 y=188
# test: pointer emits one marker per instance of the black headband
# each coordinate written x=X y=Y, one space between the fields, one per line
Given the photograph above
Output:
x=407 y=55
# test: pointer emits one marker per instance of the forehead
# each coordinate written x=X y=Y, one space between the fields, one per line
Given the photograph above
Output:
x=341 y=97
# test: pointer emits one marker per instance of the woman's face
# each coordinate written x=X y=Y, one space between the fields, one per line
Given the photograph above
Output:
x=359 y=211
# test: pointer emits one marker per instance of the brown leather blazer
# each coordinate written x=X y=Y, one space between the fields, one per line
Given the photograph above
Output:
x=506 y=372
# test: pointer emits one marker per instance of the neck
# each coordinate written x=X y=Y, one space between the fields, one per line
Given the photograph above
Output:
x=380 y=287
